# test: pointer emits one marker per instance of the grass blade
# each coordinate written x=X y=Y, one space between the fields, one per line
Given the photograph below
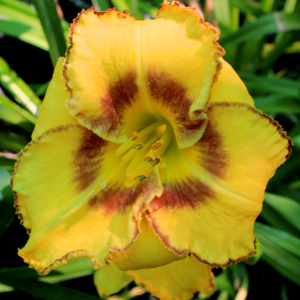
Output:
x=100 y=4
x=18 y=88
x=27 y=280
x=40 y=89
x=73 y=269
x=266 y=5
x=277 y=104
x=274 y=219
x=12 y=141
x=7 y=161
x=14 y=114
x=120 y=5
x=279 y=86
x=222 y=15
x=285 y=42
x=264 y=25
x=287 y=208
x=19 y=20
x=46 y=10
x=284 y=262
x=7 y=209
x=247 y=7
x=44 y=290
x=281 y=238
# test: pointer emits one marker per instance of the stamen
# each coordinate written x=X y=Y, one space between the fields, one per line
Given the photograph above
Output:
x=166 y=138
x=135 y=136
x=138 y=146
x=144 y=162
x=156 y=161
x=149 y=158
x=140 y=177
x=103 y=185
x=141 y=136
x=132 y=153
x=157 y=145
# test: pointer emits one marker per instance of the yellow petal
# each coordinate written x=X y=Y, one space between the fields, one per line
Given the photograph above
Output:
x=179 y=280
x=213 y=191
x=54 y=111
x=148 y=251
x=110 y=280
x=125 y=74
x=229 y=87
x=71 y=197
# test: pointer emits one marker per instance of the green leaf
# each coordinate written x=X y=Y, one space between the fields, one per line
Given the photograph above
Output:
x=222 y=15
x=7 y=163
x=40 y=89
x=283 y=261
x=133 y=9
x=5 y=288
x=291 y=166
x=287 y=208
x=296 y=140
x=12 y=141
x=279 y=86
x=277 y=104
x=7 y=209
x=274 y=219
x=223 y=296
x=290 y=5
x=287 y=39
x=264 y=25
x=295 y=131
x=18 y=88
x=120 y=4
x=247 y=7
x=266 y=5
x=44 y=290
x=281 y=238
x=14 y=114
x=295 y=135
x=73 y=269
x=249 y=55
x=100 y=4
x=148 y=9
x=223 y=283
x=19 y=20
x=27 y=280
x=46 y=10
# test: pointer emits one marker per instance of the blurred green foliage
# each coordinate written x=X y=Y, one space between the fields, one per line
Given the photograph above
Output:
x=262 y=42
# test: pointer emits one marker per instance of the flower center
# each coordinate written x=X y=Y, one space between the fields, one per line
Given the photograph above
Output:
x=143 y=151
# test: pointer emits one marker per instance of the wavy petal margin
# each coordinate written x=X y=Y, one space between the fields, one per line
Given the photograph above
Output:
x=147 y=251
x=213 y=191
x=125 y=74
x=70 y=196
x=179 y=280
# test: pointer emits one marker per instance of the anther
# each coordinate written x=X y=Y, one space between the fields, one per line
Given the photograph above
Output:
x=138 y=146
x=156 y=161
x=103 y=185
x=140 y=177
x=135 y=136
x=157 y=145
x=149 y=158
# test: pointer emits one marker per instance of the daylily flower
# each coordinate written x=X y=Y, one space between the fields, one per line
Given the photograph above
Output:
x=157 y=165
